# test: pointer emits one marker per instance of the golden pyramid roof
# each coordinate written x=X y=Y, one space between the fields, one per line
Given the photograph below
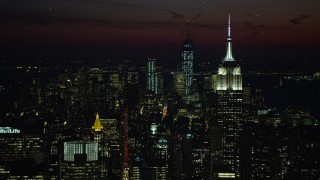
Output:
x=97 y=126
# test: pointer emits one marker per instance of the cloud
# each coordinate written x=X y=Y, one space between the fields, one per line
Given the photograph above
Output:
x=261 y=26
x=210 y=26
x=254 y=33
x=197 y=16
x=247 y=23
x=297 y=21
x=255 y=29
x=249 y=14
x=109 y=3
x=39 y=19
x=176 y=15
x=252 y=14
x=36 y=18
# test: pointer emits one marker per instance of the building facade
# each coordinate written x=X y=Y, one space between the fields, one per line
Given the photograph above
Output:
x=229 y=110
x=152 y=76
x=187 y=63
x=80 y=160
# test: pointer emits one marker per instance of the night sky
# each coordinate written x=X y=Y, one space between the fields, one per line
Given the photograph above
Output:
x=137 y=29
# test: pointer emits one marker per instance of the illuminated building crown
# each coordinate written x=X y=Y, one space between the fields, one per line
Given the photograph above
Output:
x=97 y=126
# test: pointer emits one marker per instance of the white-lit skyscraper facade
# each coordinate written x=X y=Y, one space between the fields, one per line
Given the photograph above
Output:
x=187 y=63
x=152 y=76
x=80 y=160
x=229 y=108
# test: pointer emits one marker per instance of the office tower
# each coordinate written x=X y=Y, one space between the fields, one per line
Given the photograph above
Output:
x=245 y=154
x=215 y=150
x=97 y=127
x=175 y=162
x=156 y=167
x=116 y=79
x=152 y=76
x=149 y=104
x=161 y=158
x=200 y=161
x=99 y=137
x=17 y=145
x=178 y=83
x=125 y=165
x=160 y=83
x=258 y=98
x=229 y=108
x=80 y=160
x=22 y=147
x=247 y=95
x=136 y=165
x=112 y=143
x=19 y=152
x=133 y=77
x=187 y=62
x=4 y=172
x=187 y=167
x=97 y=89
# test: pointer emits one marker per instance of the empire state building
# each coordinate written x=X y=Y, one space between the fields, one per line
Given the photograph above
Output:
x=229 y=109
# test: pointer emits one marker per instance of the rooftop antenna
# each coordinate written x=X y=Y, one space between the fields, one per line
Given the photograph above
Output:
x=229 y=56
x=229 y=26
x=188 y=23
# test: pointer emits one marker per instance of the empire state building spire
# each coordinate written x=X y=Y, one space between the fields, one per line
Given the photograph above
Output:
x=229 y=56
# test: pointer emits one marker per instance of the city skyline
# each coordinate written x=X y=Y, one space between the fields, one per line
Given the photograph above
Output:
x=159 y=90
x=137 y=30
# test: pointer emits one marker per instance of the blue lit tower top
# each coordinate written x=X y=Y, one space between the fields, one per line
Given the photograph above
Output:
x=187 y=62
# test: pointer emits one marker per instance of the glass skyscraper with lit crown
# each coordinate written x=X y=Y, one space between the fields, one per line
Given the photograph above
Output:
x=187 y=63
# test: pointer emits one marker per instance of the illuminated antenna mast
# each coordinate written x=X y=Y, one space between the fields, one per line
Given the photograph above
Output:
x=229 y=56
x=229 y=26
x=188 y=23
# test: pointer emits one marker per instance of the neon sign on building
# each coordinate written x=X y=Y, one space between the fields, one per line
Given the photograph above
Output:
x=9 y=130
